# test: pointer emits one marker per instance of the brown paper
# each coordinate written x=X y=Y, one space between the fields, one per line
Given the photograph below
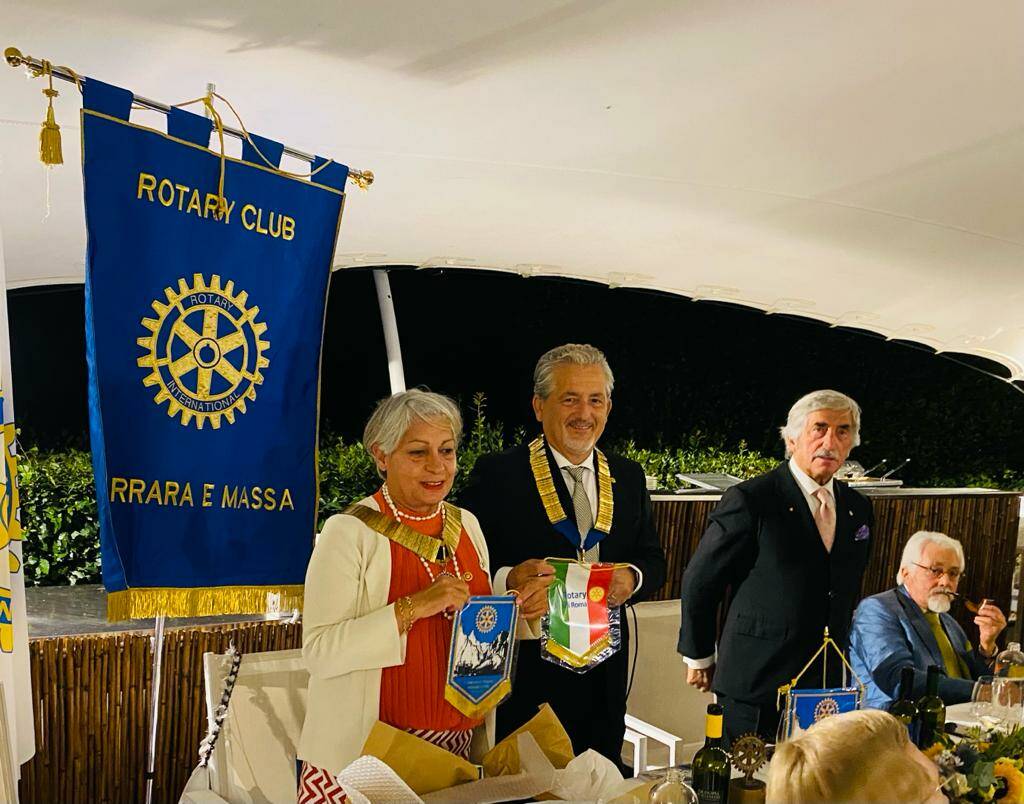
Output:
x=550 y=735
x=422 y=766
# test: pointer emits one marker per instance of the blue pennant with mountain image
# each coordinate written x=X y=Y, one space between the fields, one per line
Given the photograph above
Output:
x=482 y=654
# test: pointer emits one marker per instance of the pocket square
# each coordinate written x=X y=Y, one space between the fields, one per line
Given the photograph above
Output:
x=862 y=533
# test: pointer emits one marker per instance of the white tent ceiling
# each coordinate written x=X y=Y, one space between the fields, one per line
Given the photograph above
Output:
x=860 y=163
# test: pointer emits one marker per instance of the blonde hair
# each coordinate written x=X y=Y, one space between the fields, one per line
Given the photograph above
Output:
x=854 y=757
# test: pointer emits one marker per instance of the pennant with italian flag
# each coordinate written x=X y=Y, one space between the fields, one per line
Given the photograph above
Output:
x=578 y=630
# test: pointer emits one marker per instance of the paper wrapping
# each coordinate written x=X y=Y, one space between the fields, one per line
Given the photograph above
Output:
x=422 y=766
x=550 y=735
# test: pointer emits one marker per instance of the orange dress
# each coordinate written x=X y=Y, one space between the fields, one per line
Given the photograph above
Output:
x=412 y=694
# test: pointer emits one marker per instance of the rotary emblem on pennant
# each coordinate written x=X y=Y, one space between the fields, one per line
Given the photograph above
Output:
x=205 y=351
x=826 y=707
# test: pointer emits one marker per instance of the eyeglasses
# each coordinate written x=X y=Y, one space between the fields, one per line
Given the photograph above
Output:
x=937 y=572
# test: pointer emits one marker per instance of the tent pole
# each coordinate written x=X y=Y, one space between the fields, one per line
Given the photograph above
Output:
x=154 y=711
x=387 y=319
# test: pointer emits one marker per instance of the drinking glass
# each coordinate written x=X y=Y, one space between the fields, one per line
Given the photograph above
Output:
x=982 y=709
x=1008 y=700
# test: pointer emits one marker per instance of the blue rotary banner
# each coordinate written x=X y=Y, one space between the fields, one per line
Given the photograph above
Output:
x=206 y=286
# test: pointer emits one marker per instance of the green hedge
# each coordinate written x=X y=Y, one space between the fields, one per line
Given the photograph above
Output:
x=58 y=504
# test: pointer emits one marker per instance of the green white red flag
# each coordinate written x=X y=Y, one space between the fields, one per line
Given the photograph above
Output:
x=577 y=627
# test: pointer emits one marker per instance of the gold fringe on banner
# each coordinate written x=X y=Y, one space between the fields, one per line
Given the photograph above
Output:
x=131 y=604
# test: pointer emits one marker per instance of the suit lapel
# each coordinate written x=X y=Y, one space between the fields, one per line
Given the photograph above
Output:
x=845 y=520
x=920 y=625
x=796 y=506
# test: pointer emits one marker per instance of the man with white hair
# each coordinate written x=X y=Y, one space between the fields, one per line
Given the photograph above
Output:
x=909 y=626
x=792 y=545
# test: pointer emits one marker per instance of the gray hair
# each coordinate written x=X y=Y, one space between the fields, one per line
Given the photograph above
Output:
x=579 y=354
x=393 y=415
x=915 y=546
x=824 y=399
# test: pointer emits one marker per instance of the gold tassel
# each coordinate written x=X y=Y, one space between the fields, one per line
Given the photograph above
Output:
x=49 y=138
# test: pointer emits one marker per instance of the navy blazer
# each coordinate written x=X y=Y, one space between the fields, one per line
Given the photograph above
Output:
x=890 y=632
x=762 y=541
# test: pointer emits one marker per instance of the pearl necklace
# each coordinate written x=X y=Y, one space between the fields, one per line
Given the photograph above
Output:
x=400 y=515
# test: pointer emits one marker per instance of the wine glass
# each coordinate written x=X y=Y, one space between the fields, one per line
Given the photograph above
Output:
x=1008 y=700
x=982 y=709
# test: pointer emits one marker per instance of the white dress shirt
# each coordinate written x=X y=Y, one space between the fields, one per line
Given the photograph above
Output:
x=808 y=486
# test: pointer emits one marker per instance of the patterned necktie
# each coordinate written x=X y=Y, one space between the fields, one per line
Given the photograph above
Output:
x=581 y=507
x=825 y=517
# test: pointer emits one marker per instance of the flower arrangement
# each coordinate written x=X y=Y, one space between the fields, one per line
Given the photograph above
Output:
x=982 y=765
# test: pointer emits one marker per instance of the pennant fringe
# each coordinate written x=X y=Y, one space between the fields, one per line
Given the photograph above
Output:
x=131 y=604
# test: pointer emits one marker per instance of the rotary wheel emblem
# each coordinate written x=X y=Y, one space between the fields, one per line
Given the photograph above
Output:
x=748 y=754
x=486 y=619
x=204 y=351
x=826 y=707
x=597 y=594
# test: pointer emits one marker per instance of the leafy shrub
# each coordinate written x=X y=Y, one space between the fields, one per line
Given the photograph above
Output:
x=58 y=503
x=58 y=515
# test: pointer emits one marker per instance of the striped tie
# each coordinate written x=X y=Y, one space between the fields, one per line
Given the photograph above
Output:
x=584 y=514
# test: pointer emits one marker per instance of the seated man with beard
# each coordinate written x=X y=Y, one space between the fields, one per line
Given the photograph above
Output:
x=909 y=626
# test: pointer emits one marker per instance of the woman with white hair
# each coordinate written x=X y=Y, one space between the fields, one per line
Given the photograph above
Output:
x=382 y=584
x=861 y=757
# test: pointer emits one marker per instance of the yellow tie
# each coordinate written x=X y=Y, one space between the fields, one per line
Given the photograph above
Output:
x=949 y=656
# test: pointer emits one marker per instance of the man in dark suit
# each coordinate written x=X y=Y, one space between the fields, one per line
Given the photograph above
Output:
x=572 y=400
x=792 y=545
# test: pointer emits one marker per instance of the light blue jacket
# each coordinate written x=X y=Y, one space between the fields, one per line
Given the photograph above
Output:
x=889 y=633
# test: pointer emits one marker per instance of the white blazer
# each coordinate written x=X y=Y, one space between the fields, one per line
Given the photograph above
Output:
x=349 y=634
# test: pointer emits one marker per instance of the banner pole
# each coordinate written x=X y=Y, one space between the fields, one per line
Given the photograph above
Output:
x=387 y=319
x=154 y=712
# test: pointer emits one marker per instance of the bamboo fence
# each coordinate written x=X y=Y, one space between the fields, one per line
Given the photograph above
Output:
x=91 y=704
x=91 y=693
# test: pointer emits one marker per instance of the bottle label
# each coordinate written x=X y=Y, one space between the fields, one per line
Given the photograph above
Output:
x=713 y=726
x=709 y=796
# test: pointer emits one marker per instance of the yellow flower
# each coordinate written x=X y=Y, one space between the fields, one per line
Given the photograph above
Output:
x=1008 y=770
x=933 y=751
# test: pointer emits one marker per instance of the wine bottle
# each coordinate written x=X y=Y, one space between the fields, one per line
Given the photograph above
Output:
x=903 y=708
x=931 y=711
x=711 y=770
x=1010 y=663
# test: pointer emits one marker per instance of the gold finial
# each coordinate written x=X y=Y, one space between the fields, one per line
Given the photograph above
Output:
x=14 y=57
x=362 y=178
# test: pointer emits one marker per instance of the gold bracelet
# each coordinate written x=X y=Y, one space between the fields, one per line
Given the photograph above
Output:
x=405 y=615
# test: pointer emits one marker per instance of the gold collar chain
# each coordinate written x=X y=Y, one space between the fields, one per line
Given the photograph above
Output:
x=549 y=495
x=422 y=545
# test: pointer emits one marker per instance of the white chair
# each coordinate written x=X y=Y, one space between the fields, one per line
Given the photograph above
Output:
x=254 y=759
x=664 y=715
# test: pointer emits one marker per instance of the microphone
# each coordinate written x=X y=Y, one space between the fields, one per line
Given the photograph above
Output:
x=867 y=472
x=895 y=469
